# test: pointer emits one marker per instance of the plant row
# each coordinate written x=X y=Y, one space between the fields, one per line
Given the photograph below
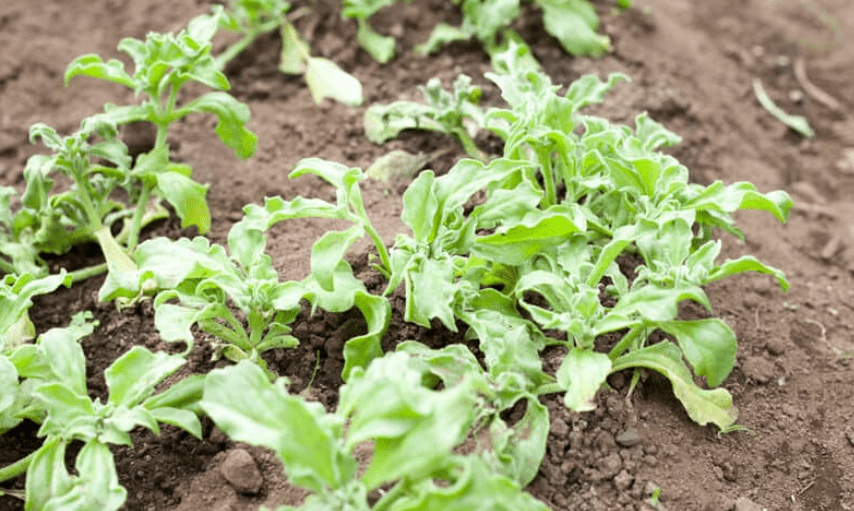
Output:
x=522 y=249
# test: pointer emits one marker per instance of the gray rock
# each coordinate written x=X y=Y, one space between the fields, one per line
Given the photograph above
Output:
x=241 y=472
x=630 y=437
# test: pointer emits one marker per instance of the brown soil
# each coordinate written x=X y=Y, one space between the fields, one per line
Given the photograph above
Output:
x=692 y=65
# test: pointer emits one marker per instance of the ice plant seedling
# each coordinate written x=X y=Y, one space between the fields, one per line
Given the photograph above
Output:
x=253 y=18
x=54 y=394
x=457 y=114
x=163 y=63
x=412 y=428
x=572 y=22
x=381 y=47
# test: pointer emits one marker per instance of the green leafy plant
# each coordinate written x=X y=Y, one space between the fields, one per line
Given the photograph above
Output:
x=53 y=393
x=208 y=283
x=572 y=22
x=381 y=47
x=413 y=430
x=572 y=194
x=456 y=114
x=164 y=63
x=16 y=293
x=253 y=18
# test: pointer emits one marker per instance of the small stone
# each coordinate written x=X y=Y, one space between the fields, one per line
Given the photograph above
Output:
x=850 y=436
x=241 y=472
x=630 y=437
x=776 y=346
x=623 y=481
x=796 y=96
x=745 y=504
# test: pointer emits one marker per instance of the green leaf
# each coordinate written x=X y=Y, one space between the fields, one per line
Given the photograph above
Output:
x=708 y=344
x=47 y=476
x=8 y=385
x=441 y=35
x=328 y=251
x=474 y=486
x=65 y=356
x=744 y=264
x=518 y=243
x=574 y=24
x=92 y=65
x=16 y=293
x=430 y=292
x=381 y=47
x=68 y=414
x=413 y=428
x=420 y=206
x=183 y=395
x=184 y=419
x=292 y=60
x=703 y=406
x=361 y=350
x=326 y=80
x=188 y=199
x=301 y=434
x=795 y=122
x=97 y=484
x=232 y=116
x=519 y=450
x=590 y=90
x=133 y=376
x=581 y=374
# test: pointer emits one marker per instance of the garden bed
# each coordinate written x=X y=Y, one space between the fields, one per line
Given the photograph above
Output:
x=692 y=66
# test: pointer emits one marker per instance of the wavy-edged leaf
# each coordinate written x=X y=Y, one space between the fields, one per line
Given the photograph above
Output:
x=581 y=374
x=703 y=406
x=326 y=80
x=232 y=116
x=708 y=344
x=306 y=440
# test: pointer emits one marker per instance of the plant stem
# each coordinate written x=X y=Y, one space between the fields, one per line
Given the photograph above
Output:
x=545 y=157
x=18 y=468
x=381 y=249
x=469 y=146
x=7 y=267
x=626 y=341
x=392 y=495
x=87 y=273
x=248 y=38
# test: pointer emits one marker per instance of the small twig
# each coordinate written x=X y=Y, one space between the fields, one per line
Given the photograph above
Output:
x=824 y=338
x=756 y=316
x=807 y=487
x=812 y=90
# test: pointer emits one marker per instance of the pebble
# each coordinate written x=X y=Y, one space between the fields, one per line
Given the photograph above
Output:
x=745 y=504
x=241 y=472
x=630 y=437
x=775 y=346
